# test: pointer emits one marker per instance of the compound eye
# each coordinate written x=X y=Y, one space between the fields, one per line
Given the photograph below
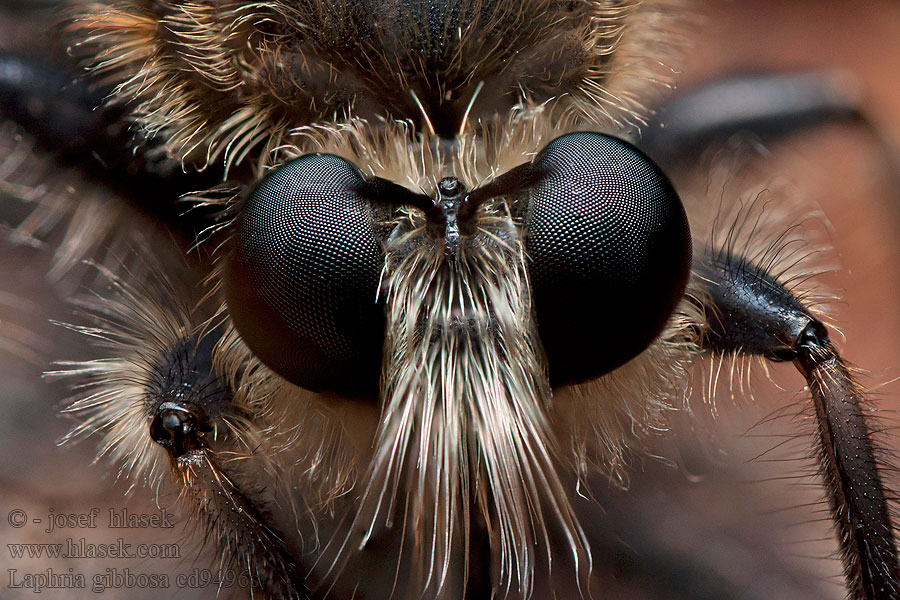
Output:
x=302 y=278
x=610 y=253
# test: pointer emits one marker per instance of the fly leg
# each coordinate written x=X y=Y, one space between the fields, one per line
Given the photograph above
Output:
x=771 y=106
x=170 y=416
x=748 y=311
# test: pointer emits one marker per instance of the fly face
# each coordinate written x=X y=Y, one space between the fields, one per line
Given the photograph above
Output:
x=439 y=296
x=466 y=330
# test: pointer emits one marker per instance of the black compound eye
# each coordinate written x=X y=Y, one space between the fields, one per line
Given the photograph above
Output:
x=610 y=253
x=302 y=278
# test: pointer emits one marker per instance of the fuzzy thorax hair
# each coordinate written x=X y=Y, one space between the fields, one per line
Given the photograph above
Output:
x=232 y=79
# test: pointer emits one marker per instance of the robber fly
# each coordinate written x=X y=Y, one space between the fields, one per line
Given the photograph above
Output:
x=438 y=291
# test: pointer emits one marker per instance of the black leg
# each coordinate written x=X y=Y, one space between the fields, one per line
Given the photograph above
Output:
x=771 y=106
x=748 y=311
